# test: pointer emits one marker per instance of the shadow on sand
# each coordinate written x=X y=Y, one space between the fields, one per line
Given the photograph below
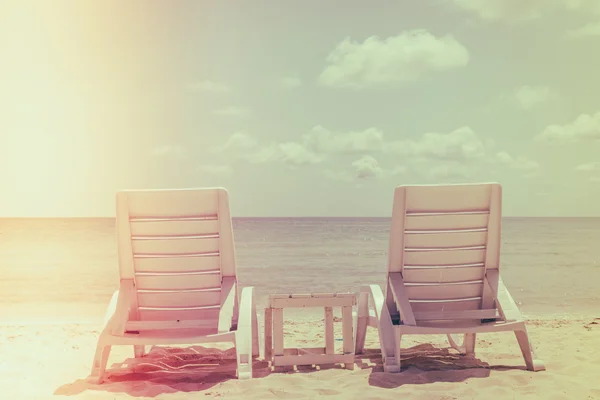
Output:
x=166 y=370
x=198 y=369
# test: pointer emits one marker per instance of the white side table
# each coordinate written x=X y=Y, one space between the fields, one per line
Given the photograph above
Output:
x=274 y=350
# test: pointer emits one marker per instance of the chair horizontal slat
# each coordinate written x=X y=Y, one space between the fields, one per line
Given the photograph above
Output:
x=456 y=315
x=177 y=281
x=177 y=264
x=444 y=292
x=444 y=257
x=448 y=198
x=174 y=227
x=176 y=246
x=443 y=274
x=172 y=203
x=179 y=298
x=446 y=222
x=457 y=305
x=157 y=325
x=173 y=314
x=445 y=239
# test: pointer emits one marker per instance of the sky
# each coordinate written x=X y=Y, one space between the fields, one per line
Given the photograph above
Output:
x=298 y=108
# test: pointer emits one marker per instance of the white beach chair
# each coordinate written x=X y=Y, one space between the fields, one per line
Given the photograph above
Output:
x=178 y=277
x=443 y=272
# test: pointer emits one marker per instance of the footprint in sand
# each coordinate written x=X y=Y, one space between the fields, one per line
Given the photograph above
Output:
x=596 y=321
x=328 y=392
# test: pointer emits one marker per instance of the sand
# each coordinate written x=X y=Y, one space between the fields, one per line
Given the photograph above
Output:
x=48 y=360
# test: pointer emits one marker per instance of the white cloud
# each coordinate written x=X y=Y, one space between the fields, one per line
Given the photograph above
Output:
x=401 y=58
x=528 y=168
x=339 y=175
x=589 y=167
x=239 y=141
x=587 y=6
x=169 y=150
x=529 y=97
x=451 y=171
x=461 y=144
x=585 y=128
x=591 y=170
x=290 y=82
x=232 y=112
x=364 y=168
x=244 y=146
x=290 y=153
x=591 y=29
x=210 y=87
x=523 y=10
x=313 y=146
x=316 y=146
x=457 y=155
x=215 y=169
x=367 y=167
x=505 y=9
x=323 y=140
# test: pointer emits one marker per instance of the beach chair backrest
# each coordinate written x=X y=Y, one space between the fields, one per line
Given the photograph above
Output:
x=177 y=245
x=443 y=238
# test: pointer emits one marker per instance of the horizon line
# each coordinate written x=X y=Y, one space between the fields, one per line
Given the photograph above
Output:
x=304 y=217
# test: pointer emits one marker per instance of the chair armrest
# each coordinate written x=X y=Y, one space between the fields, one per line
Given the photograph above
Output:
x=246 y=313
x=505 y=302
x=228 y=312
x=117 y=312
x=396 y=285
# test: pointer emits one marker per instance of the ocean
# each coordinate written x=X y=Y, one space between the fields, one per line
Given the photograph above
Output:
x=550 y=265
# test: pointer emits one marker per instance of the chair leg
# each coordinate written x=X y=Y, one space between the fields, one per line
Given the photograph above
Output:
x=527 y=350
x=268 y=351
x=139 y=351
x=397 y=347
x=469 y=343
x=362 y=320
x=243 y=354
x=100 y=362
x=255 y=338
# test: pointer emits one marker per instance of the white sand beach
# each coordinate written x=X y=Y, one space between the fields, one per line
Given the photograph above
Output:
x=53 y=302
x=44 y=360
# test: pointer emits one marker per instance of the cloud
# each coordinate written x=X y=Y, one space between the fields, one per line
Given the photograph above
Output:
x=290 y=82
x=169 y=151
x=589 y=167
x=316 y=146
x=456 y=155
x=523 y=10
x=585 y=128
x=462 y=144
x=591 y=170
x=209 y=87
x=491 y=10
x=447 y=171
x=528 y=168
x=529 y=97
x=364 y=168
x=232 y=112
x=323 y=140
x=290 y=153
x=591 y=29
x=402 y=58
x=239 y=141
x=586 y=6
x=367 y=167
x=215 y=169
